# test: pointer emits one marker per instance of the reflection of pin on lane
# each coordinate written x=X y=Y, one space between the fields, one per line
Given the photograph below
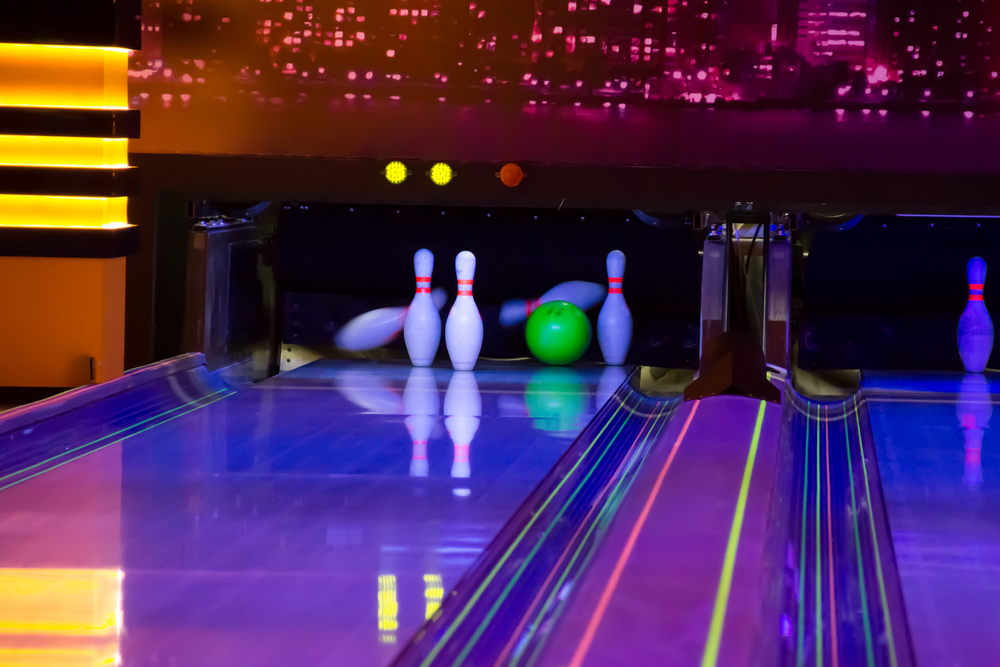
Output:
x=463 y=332
x=611 y=379
x=581 y=294
x=422 y=331
x=376 y=328
x=974 y=409
x=420 y=405
x=369 y=393
x=462 y=408
x=614 y=324
x=975 y=328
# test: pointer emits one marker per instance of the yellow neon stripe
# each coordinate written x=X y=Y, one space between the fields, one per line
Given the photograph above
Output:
x=59 y=602
x=86 y=152
x=33 y=75
x=711 y=656
x=60 y=657
x=44 y=211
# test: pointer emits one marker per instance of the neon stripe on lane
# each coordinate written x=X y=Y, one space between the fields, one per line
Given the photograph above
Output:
x=878 y=558
x=800 y=643
x=609 y=589
x=829 y=539
x=711 y=656
x=819 y=557
x=869 y=651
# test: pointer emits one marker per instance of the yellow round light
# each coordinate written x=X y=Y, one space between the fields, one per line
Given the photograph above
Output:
x=441 y=174
x=396 y=172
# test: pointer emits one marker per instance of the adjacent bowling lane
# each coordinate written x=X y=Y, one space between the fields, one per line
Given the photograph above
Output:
x=939 y=461
x=314 y=519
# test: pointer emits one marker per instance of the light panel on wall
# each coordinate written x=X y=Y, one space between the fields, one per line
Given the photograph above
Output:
x=45 y=211
x=36 y=75
x=82 y=152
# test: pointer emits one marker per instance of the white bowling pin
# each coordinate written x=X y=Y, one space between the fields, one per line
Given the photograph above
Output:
x=422 y=331
x=379 y=327
x=463 y=332
x=975 y=328
x=420 y=405
x=580 y=293
x=614 y=324
x=462 y=407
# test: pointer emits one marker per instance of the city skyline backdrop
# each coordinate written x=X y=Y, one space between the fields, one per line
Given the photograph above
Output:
x=271 y=52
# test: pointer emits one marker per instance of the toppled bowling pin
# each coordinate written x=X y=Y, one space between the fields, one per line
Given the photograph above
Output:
x=462 y=408
x=974 y=409
x=580 y=293
x=420 y=405
x=975 y=328
x=379 y=327
x=422 y=331
x=463 y=332
x=614 y=324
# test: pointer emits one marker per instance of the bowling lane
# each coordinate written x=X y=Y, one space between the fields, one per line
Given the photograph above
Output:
x=314 y=519
x=939 y=462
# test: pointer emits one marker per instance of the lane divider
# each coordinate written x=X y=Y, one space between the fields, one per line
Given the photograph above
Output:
x=609 y=589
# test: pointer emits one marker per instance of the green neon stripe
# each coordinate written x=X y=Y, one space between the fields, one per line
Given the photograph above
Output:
x=819 y=556
x=531 y=555
x=439 y=646
x=110 y=435
x=612 y=504
x=878 y=558
x=869 y=652
x=122 y=439
x=800 y=642
x=711 y=655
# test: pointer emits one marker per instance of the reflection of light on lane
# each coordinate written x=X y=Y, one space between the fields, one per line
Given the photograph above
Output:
x=388 y=608
x=433 y=593
x=65 y=617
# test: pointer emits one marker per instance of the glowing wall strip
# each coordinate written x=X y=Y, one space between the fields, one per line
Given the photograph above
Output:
x=44 y=211
x=34 y=75
x=80 y=152
x=64 y=617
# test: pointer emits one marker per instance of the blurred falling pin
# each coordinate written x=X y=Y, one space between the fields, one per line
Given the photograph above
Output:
x=462 y=408
x=420 y=405
x=974 y=409
x=379 y=327
x=580 y=293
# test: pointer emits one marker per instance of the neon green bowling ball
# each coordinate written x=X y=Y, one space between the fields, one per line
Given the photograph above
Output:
x=558 y=333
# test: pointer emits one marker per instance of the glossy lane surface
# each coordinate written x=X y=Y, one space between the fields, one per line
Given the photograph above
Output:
x=314 y=519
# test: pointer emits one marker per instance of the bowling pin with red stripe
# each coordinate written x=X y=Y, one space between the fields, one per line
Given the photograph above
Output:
x=422 y=330
x=614 y=324
x=975 y=328
x=463 y=332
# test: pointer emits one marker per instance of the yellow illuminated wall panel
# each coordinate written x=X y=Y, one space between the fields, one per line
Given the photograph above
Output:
x=58 y=313
x=45 y=211
x=83 y=152
x=69 y=77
